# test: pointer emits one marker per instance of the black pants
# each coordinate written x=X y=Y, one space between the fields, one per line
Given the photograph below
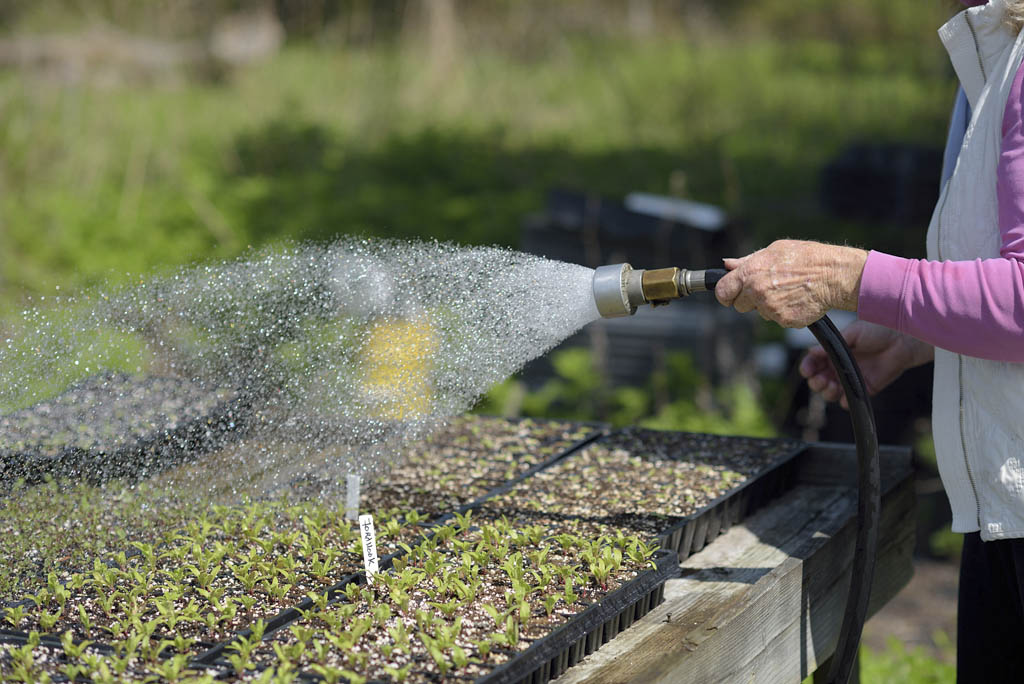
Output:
x=990 y=618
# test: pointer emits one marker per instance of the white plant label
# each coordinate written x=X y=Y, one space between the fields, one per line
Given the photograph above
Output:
x=352 y=497
x=369 y=539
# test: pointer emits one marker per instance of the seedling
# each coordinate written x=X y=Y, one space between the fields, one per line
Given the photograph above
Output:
x=14 y=616
x=569 y=595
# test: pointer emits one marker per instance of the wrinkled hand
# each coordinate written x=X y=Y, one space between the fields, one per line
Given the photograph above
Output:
x=793 y=282
x=882 y=354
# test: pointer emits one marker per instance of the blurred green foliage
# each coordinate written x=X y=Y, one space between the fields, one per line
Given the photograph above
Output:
x=945 y=543
x=329 y=138
x=680 y=398
x=73 y=358
x=518 y=20
x=897 y=663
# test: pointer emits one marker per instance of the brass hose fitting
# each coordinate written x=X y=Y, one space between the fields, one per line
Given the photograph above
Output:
x=660 y=285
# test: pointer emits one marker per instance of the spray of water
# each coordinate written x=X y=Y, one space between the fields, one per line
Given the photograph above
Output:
x=326 y=358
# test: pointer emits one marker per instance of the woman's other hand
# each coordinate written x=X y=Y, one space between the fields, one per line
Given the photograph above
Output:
x=882 y=354
x=793 y=282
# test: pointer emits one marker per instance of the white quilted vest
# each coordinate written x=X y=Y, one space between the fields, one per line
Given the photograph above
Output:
x=978 y=405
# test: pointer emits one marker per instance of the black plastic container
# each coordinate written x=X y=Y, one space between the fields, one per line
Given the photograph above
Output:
x=690 y=534
x=18 y=639
x=687 y=534
x=290 y=615
x=115 y=425
x=549 y=657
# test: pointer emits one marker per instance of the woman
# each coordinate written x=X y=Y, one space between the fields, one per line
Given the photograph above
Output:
x=964 y=308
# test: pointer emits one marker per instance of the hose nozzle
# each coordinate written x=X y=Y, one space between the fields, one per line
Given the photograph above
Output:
x=619 y=289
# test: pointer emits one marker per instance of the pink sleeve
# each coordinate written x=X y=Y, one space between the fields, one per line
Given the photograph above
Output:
x=969 y=307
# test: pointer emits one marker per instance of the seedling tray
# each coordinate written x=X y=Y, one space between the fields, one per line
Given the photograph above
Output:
x=548 y=658
x=117 y=425
x=679 y=518
x=54 y=651
x=695 y=531
x=473 y=459
x=285 y=618
x=546 y=647
x=554 y=438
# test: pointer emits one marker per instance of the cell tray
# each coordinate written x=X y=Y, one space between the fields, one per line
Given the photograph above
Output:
x=599 y=623
x=117 y=425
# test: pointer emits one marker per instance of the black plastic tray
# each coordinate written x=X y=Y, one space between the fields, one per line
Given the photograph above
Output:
x=549 y=657
x=219 y=670
x=213 y=657
x=691 y=533
x=290 y=615
x=207 y=420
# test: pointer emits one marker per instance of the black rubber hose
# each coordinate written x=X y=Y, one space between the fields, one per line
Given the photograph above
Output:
x=712 y=276
x=869 y=489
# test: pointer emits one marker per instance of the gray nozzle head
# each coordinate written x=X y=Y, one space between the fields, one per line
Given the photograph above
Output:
x=618 y=290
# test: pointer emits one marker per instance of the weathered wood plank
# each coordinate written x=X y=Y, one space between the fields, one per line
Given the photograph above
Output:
x=763 y=603
x=813 y=636
x=834 y=464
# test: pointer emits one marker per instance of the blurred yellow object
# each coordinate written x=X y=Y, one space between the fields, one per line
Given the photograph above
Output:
x=398 y=360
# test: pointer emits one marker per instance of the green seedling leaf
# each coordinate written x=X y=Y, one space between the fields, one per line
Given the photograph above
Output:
x=398 y=674
x=14 y=616
x=569 y=594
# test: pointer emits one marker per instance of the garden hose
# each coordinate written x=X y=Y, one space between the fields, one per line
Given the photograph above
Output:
x=619 y=290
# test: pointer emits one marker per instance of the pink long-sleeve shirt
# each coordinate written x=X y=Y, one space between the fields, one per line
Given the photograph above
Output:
x=968 y=307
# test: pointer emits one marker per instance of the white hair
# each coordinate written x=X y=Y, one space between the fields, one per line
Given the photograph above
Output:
x=1015 y=13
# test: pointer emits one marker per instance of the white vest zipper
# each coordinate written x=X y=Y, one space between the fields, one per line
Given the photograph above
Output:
x=959 y=357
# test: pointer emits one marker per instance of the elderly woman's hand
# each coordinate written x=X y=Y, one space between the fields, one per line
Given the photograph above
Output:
x=793 y=282
x=882 y=355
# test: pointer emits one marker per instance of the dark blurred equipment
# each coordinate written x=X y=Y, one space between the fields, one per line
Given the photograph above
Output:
x=592 y=230
x=896 y=184
x=589 y=229
x=879 y=182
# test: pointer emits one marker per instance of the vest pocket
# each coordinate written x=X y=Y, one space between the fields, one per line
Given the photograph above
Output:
x=996 y=453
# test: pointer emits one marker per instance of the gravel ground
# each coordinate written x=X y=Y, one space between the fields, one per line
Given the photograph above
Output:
x=927 y=604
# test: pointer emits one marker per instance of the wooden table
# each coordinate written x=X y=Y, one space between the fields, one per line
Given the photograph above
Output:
x=764 y=601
